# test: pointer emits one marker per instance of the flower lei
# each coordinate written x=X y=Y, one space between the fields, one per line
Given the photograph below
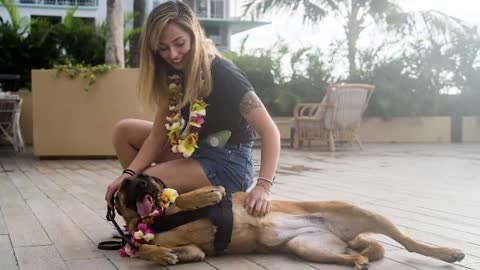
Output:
x=144 y=234
x=184 y=140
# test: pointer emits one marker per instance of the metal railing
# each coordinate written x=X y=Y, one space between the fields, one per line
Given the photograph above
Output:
x=209 y=8
x=80 y=3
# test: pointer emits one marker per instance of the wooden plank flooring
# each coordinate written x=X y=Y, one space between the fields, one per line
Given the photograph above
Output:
x=52 y=212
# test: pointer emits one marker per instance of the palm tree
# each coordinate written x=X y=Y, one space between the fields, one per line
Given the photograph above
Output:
x=138 y=18
x=356 y=15
x=114 y=50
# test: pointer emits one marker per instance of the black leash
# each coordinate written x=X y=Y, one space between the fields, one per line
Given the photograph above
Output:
x=115 y=245
x=221 y=216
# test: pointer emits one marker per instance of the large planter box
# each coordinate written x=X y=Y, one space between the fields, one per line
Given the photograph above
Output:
x=406 y=130
x=400 y=129
x=68 y=121
x=471 y=129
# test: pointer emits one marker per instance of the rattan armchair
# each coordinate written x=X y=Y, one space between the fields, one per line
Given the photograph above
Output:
x=10 y=107
x=336 y=119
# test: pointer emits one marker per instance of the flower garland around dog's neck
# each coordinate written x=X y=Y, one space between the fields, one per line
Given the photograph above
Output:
x=144 y=234
x=183 y=139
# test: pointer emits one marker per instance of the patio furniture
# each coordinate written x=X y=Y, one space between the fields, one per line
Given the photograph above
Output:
x=336 y=119
x=9 y=82
x=10 y=106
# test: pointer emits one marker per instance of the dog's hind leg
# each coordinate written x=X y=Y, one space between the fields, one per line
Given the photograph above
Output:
x=367 y=247
x=384 y=226
x=349 y=224
x=325 y=248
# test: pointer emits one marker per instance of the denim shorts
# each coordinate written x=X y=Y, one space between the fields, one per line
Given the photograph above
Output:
x=230 y=166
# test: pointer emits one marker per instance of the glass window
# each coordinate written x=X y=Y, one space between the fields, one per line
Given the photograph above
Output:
x=190 y=3
x=50 y=19
x=202 y=8
x=217 y=8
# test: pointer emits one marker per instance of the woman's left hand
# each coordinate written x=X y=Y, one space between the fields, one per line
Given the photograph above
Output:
x=258 y=202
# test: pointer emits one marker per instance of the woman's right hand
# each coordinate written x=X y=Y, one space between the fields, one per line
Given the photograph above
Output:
x=113 y=187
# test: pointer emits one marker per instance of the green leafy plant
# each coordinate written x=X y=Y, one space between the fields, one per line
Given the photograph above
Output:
x=81 y=42
x=87 y=72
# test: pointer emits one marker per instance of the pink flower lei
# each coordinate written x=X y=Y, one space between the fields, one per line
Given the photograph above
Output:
x=144 y=234
x=184 y=140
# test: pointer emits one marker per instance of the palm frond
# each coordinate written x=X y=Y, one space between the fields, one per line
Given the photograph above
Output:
x=259 y=7
x=242 y=44
x=436 y=25
x=12 y=11
x=69 y=17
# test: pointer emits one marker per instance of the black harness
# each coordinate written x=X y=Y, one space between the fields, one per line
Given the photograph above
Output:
x=220 y=215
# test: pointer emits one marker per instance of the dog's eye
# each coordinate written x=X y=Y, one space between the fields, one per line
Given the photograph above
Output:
x=127 y=182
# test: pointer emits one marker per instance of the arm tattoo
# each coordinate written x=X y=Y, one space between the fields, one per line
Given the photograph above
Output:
x=249 y=102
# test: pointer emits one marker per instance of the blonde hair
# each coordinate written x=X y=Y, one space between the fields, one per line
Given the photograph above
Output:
x=153 y=69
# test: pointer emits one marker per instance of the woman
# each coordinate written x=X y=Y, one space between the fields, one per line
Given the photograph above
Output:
x=184 y=77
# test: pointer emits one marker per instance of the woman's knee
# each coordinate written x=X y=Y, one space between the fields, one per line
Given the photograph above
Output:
x=120 y=129
x=130 y=131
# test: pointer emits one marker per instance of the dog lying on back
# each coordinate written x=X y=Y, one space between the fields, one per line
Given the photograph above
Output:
x=324 y=232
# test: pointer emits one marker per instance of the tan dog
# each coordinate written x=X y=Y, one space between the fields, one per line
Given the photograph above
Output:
x=324 y=232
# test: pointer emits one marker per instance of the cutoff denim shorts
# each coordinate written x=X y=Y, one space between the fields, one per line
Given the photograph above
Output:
x=230 y=166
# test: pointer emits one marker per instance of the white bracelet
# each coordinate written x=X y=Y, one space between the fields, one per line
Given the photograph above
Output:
x=265 y=179
x=267 y=190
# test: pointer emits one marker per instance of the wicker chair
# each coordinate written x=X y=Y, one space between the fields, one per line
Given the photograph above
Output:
x=10 y=106
x=336 y=118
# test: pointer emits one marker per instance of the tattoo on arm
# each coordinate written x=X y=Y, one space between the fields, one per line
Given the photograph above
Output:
x=249 y=102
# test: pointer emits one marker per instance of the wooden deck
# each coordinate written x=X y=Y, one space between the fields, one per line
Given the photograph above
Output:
x=52 y=211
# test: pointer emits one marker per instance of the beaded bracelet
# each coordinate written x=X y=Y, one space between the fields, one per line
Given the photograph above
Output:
x=129 y=172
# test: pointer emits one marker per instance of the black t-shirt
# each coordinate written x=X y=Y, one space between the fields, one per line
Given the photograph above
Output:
x=229 y=85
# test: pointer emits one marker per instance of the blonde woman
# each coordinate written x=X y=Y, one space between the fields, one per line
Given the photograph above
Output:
x=196 y=93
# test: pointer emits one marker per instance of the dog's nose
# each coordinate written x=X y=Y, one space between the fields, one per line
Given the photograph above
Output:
x=142 y=184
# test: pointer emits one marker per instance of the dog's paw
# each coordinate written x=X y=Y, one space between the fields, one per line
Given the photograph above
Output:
x=161 y=255
x=201 y=197
x=362 y=266
x=452 y=255
x=190 y=253
x=215 y=195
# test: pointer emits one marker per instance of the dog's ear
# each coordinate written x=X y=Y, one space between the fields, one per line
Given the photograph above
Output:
x=118 y=205
x=130 y=217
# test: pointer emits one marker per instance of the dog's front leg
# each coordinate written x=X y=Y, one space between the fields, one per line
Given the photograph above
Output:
x=202 y=197
x=169 y=256
x=159 y=254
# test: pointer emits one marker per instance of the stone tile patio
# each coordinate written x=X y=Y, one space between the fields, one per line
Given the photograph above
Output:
x=429 y=191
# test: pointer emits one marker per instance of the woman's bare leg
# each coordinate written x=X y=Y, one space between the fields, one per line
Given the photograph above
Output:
x=184 y=175
x=178 y=173
x=128 y=137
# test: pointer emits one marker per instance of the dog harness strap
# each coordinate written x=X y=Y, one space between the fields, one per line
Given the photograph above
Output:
x=221 y=215
x=160 y=181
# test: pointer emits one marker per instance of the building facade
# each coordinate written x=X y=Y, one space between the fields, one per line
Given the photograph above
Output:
x=219 y=18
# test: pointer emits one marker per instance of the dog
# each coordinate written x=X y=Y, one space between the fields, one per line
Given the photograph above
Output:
x=325 y=232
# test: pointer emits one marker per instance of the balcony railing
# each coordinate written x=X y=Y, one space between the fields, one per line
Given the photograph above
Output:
x=209 y=8
x=56 y=3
